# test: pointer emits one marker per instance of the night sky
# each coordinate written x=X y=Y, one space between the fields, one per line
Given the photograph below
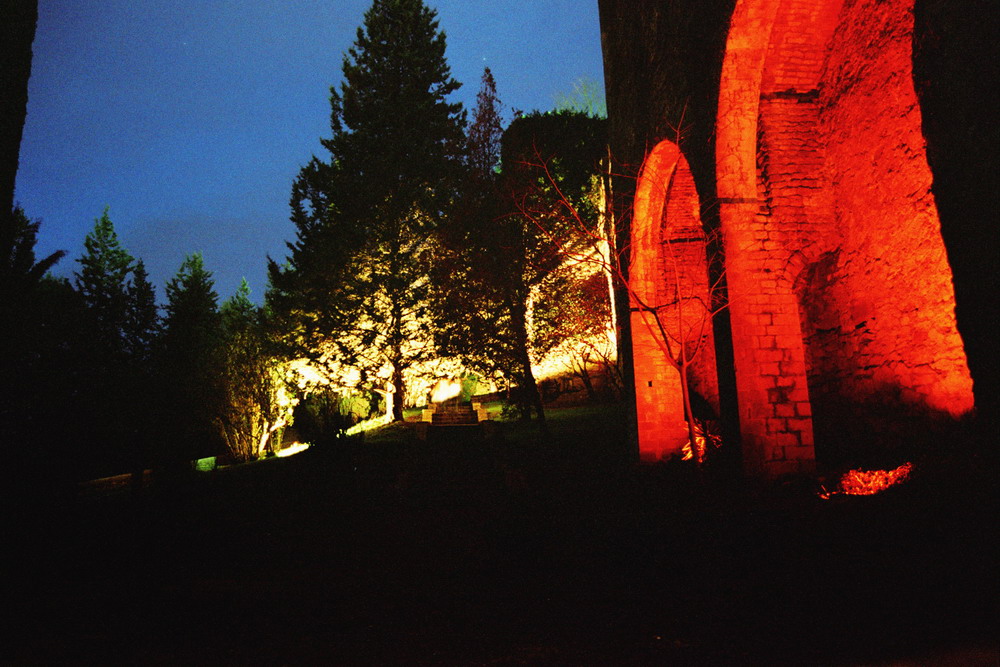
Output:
x=190 y=120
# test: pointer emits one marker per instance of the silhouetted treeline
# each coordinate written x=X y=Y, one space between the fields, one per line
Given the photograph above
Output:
x=98 y=380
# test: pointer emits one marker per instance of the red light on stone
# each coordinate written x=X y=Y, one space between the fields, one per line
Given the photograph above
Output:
x=870 y=482
x=842 y=304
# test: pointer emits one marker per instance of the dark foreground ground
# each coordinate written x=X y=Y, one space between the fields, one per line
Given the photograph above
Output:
x=451 y=552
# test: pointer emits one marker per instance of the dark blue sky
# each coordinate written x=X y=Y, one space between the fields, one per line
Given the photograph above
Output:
x=190 y=119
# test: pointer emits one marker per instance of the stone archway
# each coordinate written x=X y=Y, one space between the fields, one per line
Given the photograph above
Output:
x=668 y=275
x=819 y=151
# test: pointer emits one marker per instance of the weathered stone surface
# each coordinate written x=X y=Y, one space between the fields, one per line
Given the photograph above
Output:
x=804 y=135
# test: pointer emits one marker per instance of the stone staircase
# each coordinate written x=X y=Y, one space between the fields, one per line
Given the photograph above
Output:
x=453 y=413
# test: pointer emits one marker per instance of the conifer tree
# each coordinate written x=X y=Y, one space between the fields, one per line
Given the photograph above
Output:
x=116 y=290
x=192 y=308
x=122 y=323
x=39 y=319
x=470 y=318
x=250 y=412
x=21 y=276
x=103 y=282
x=142 y=320
x=19 y=270
x=359 y=269
x=137 y=379
x=486 y=130
x=189 y=363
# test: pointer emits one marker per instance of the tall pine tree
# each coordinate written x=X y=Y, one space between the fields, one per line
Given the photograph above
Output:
x=103 y=282
x=189 y=365
x=122 y=323
x=358 y=274
x=142 y=320
x=486 y=131
x=471 y=320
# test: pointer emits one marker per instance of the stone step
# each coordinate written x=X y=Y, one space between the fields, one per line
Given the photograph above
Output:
x=442 y=418
x=458 y=408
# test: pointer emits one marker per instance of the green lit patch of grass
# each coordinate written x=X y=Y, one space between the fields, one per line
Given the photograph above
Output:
x=206 y=464
x=394 y=432
x=573 y=429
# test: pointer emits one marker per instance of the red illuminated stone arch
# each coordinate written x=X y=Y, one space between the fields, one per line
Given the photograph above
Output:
x=819 y=158
x=668 y=273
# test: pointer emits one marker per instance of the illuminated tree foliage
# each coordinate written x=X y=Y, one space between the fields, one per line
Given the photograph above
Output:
x=470 y=320
x=548 y=160
x=587 y=97
x=572 y=315
x=356 y=284
x=499 y=258
x=251 y=412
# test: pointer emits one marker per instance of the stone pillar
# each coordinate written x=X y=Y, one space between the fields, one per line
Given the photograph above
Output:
x=772 y=389
x=773 y=396
x=662 y=428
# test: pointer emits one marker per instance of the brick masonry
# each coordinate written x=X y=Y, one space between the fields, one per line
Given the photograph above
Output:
x=841 y=296
x=669 y=275
x=879 y=310
x=807 y=145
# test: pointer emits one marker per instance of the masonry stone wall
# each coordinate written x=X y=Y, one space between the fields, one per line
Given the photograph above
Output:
x=841 y=302
x=671 y=311
x=683 y=286
x=842 y=256
x=885 y=356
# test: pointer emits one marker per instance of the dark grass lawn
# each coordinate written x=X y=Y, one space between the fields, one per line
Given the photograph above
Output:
x=515 y=550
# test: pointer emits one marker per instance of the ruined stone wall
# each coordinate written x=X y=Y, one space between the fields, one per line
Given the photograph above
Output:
x=661 y=426
x=792 y=223
x=683 y=286
x=772 y=211
x=671 y=304
x=662 y=62
x=886 y=357
x=841 y=298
